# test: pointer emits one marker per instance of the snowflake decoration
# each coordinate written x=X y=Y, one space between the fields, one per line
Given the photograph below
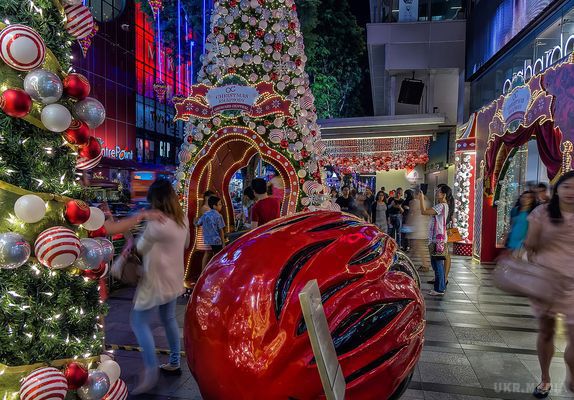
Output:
x=280 y=37
x=257 y=44
x=281 y=68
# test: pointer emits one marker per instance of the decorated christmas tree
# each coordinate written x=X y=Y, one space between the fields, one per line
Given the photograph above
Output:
x=257 y=45
x=50 y=310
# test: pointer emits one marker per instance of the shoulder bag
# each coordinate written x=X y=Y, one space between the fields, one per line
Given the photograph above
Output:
x=127 y=267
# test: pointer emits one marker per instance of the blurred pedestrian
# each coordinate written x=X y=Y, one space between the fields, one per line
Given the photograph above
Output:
x=369 y=200
x=519 y=220
x=418 y=236
x=360 y=208
x=212 y=223
x=396 y=216
x=407 y=203
x=345 y=201
x=541 y=191
x=549 y=243
x=162 y=246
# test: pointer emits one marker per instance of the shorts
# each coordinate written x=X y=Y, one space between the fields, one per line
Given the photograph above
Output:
x=216 y=248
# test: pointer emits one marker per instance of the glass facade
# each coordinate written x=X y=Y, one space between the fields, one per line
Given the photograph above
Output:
x=384 y=11
x=548 y=43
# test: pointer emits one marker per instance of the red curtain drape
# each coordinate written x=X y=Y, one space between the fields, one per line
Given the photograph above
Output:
x=548 y=140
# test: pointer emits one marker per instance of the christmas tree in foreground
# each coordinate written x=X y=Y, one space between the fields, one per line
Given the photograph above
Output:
x=257 y=44
x=50 y=311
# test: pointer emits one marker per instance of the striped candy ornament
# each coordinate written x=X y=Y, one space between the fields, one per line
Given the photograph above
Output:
x=311 y=187
x=21 y=47
x=276 y=136
x=44 y=383
x=84 y=164
x=57 y=247
x=80 y=21
x=118 y=391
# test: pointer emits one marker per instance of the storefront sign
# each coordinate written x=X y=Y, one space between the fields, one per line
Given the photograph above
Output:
x=543 y=62
x=232 y=98
x=117 y=153
x=408 y=10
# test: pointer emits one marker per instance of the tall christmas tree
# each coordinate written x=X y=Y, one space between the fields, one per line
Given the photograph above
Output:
x=258 y=44
x=49 y=302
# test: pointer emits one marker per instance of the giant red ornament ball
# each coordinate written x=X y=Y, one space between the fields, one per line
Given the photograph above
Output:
x=76 y=375
x=98 y=233
x=15 y=103
x=76 y=86
x=98 y=273
x=76 y=212
x=372 y=302
x=91 y=150
x=78 y=133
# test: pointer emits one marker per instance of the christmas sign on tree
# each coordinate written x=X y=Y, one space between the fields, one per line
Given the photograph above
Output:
x=253 y=83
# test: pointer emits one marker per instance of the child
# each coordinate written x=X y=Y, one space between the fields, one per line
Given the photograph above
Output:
x=213 y=224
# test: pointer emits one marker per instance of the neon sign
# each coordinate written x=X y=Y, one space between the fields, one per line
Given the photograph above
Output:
x=117 y=153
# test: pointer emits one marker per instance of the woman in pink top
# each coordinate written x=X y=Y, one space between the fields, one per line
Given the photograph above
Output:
x=550 y=243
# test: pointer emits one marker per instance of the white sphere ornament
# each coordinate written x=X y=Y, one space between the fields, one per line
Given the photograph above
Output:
x=96 y=220
x=56 y=117
x=21 y=47
x=30 y=208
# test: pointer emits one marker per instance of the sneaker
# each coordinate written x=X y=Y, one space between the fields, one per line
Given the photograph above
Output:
x=435 y=293
x=170 y=369
x=542 y=391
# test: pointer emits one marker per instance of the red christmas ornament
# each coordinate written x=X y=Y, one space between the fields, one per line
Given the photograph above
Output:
x=233 y=3
x=231 y=70
x=261 y=2
x=76 y=86
x=278 y=46
x=78 y=133
x=284 y=144
x=76 y=375
x=291 y=122
x=266 y=122
x=76 y=212
x=98 y=273
x=91 y=150
x=15 y=103
x=298 y=62
x=231 y=36
x=301 y=181
x=98 y=233
x=274 y=76
x=260 y=33
x=190 y=139
x=216 y=30
x=292 y=25
x=294 y=7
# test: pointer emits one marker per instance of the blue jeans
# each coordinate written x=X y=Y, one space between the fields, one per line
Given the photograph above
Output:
x=141 y=319
x=395 y=230
x=439 y=278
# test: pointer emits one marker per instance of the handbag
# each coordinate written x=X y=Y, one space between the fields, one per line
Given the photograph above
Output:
x=127 y=267
x=521 y=277
x=438 y=251
x=453 y=235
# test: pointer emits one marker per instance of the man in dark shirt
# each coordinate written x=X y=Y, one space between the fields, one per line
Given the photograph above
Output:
x=396 y=215
x=266 y=208
x=369 y=200
x=345 y=201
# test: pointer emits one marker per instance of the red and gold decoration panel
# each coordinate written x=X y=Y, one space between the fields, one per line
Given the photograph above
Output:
x=373 y=155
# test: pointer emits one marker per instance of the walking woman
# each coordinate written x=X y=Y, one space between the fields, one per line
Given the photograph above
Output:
x=519 y=220
x=418 y=237
x=379 y=212
x=162 y=246
x=549 y=243
x=440 y=215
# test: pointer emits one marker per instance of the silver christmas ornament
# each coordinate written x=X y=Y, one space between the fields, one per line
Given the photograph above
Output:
x=91 y=111
x=43 y=86
x=107 y=249
x=96 y=386
x=91 y=254
x=14 y=250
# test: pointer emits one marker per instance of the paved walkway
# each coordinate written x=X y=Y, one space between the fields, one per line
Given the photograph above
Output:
x=480 y=344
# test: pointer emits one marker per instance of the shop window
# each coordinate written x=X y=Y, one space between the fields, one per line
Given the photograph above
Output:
x=140 y=149
x=149 y=151
x=106 y=10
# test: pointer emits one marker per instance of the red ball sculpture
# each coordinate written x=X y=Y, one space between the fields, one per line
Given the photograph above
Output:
x=76 y=86
x=244 y=319
x=16 y=103
x=78 y=133
x=76 y=375
x=90 y=150
x=76 y=212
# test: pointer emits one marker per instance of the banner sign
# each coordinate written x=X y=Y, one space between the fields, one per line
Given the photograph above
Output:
x=255 y=101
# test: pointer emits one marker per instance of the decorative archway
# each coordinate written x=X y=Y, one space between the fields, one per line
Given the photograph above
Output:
x=229 y=150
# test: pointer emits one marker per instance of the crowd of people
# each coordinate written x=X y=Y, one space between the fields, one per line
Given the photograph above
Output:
x=408 y=218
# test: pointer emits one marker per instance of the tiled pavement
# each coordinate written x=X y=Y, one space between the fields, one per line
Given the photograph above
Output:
x=480 y=344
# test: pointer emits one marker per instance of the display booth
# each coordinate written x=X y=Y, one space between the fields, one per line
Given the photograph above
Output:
x=531 y=123
x=231 y=121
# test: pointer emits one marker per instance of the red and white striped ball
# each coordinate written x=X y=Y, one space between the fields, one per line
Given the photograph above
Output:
x=21 y=47
x=118 y=391
x=57 y=247
x=44 y=383
x=311 y=187
x=80 y=21
x=84 y=164
x=320 y=147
